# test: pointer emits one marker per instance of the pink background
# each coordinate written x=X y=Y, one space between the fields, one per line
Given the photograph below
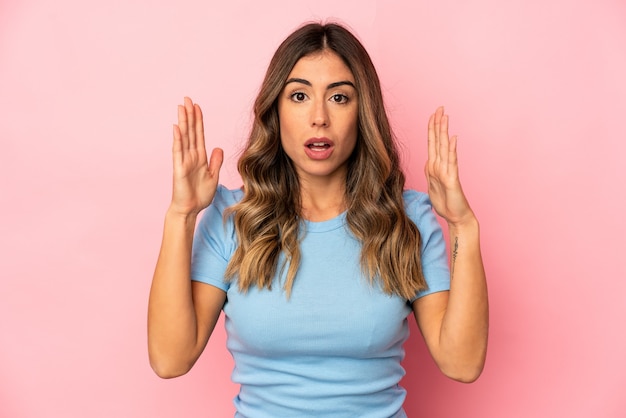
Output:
x=88 y=94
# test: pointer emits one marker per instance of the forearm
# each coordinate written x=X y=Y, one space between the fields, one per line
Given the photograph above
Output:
x=464 y=329
x=172 y=323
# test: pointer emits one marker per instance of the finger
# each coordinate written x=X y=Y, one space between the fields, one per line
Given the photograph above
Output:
x=438 y=115
x=177 y=152
x=215 y=163
x=191 y=131
x=199 y=130
x=452 y=156
x=444 y=142
x=432 y=140
x=183 y=127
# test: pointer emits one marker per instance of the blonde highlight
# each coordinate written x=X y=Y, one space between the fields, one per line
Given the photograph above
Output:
x=268 y=220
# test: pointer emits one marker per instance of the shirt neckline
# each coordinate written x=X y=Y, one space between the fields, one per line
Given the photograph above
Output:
x=325 y=226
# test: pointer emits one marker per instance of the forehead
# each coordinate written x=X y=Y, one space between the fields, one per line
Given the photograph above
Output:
x=323 y=66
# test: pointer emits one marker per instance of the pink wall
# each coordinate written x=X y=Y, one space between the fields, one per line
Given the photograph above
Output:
x=88 y=93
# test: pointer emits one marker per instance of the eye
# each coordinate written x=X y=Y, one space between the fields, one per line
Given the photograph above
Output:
x=339 y=98
x=298 y=96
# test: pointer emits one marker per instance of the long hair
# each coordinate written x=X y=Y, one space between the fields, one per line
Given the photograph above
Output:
x=268 y=218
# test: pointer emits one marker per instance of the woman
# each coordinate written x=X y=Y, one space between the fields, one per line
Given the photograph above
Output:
x=320 y=257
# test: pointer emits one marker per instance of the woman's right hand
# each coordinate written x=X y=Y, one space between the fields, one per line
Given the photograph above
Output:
x=195 y=179
x=182 y=313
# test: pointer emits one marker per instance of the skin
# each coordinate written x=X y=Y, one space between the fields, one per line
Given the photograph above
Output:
x=454 y=324
x=183 y=313
x=319 y=100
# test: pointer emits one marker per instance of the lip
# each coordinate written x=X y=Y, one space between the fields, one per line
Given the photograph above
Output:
x=314 y=140
x=319 y=154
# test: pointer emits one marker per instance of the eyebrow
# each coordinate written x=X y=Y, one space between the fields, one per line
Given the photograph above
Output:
x=330 y=86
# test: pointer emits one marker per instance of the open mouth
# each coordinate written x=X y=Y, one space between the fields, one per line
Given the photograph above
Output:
x=318 y=146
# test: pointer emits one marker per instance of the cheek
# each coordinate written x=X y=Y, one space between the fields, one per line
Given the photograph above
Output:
x=283 y=128
x=287 y=123
x=285 y=133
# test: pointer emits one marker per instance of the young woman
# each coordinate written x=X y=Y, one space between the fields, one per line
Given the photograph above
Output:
x=322 y=254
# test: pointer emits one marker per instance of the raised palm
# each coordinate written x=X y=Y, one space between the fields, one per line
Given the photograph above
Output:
x=442 y=172
x=195 y=178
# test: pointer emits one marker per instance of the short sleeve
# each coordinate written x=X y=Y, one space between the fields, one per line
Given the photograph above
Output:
x=433 y=249
x=214 y=240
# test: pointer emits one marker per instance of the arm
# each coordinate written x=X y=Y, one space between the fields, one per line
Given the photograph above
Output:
x=182 y=313
x=455 y=323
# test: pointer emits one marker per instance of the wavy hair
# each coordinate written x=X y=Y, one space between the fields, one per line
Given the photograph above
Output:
x=268 y=218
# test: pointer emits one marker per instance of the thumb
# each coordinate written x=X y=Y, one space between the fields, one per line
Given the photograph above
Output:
x=215 y=162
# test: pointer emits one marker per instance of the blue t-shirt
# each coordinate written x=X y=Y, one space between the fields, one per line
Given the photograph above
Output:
x=333 y=349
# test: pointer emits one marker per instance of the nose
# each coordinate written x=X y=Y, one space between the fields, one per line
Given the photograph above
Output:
x=320 y=114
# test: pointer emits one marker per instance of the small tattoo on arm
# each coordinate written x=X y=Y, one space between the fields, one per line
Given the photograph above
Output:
x=455 y=252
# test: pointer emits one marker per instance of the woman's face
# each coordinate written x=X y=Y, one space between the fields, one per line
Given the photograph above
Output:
x=318 y=113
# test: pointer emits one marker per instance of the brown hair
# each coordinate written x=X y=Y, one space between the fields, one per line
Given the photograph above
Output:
x=268 y=218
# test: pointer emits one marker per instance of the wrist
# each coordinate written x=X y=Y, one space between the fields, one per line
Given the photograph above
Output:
x=467 y=223
x=178 y=215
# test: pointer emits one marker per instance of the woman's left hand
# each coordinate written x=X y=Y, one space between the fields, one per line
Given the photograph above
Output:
x=455 y=324
x=442 y=172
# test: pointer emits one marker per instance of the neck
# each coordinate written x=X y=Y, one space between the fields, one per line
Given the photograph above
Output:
x=322 y=200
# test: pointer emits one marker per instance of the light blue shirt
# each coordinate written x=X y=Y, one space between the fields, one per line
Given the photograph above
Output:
x=333 y=349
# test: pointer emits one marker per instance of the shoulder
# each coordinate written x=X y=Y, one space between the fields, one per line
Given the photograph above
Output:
x=418 y=206
x=419 y=209
x=213 y=215
x=432 y=244
x=215 y=241
x=225 y=197
x=413 y=199
x=215 y=233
